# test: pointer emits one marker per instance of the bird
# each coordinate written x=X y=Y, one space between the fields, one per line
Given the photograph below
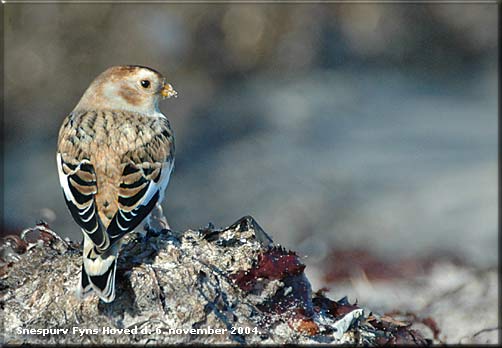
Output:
x=115 y=155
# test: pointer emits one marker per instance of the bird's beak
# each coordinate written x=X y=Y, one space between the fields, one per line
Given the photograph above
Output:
x=168 y=91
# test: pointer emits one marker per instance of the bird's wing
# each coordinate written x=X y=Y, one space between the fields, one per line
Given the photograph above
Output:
x=141 y=187
x=78 y=180
x=145 y=176
x=77 y=175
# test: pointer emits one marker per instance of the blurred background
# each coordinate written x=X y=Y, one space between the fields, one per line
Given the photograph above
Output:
x=341 y=128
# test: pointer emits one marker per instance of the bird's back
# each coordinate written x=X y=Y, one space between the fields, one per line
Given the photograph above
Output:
x=110 y=141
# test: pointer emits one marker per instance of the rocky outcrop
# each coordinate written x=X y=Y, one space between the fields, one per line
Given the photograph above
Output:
x=230 y=285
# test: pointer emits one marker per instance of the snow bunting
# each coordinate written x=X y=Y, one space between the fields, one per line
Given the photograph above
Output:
x=115 y=156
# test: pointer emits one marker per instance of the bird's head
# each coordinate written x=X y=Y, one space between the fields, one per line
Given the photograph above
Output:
x=130 y=88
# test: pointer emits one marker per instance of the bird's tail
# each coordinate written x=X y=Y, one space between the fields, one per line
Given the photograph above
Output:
x=98 y=271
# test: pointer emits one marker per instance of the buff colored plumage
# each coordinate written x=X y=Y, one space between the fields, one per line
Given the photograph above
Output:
x=115 y=156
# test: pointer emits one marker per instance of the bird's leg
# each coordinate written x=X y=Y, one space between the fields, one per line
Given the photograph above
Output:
x=156 y=221
x=160 y=217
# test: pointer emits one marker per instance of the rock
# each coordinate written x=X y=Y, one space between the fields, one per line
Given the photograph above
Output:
x=230 y=285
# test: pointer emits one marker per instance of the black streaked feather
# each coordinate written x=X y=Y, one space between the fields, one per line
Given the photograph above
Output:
x=79 y=197
x=130 y=169
x=85 y=216
x=79 y=181
x=158 y=176
x=148 y=171
x=131 y=201
x=135 y=184
x=92 y=224
x=100 y=281
x=71 y=166
x=84 y=280
x=88 y=221
x=115 y=232
x=87 y=167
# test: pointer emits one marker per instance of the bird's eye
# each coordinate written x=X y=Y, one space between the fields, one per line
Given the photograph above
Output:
x=145 y=83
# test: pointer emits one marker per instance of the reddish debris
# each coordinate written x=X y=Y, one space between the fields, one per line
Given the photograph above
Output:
x=337 y=309
x=292 y=302
x=10 y=247
x=17 y=244
x=273 y=264
x=4 y=268
x=431 y=324
x=46 y=237
x=304 y=325
x=414 y=318
x=397 y=332
x=39 y=232
x=13 y=245
x=392 y=331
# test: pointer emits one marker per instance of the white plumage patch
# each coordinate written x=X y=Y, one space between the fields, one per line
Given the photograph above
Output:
x=63 y=180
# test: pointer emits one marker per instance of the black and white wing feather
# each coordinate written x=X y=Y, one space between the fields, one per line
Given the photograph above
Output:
x=78 y=181
x=142 y=186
